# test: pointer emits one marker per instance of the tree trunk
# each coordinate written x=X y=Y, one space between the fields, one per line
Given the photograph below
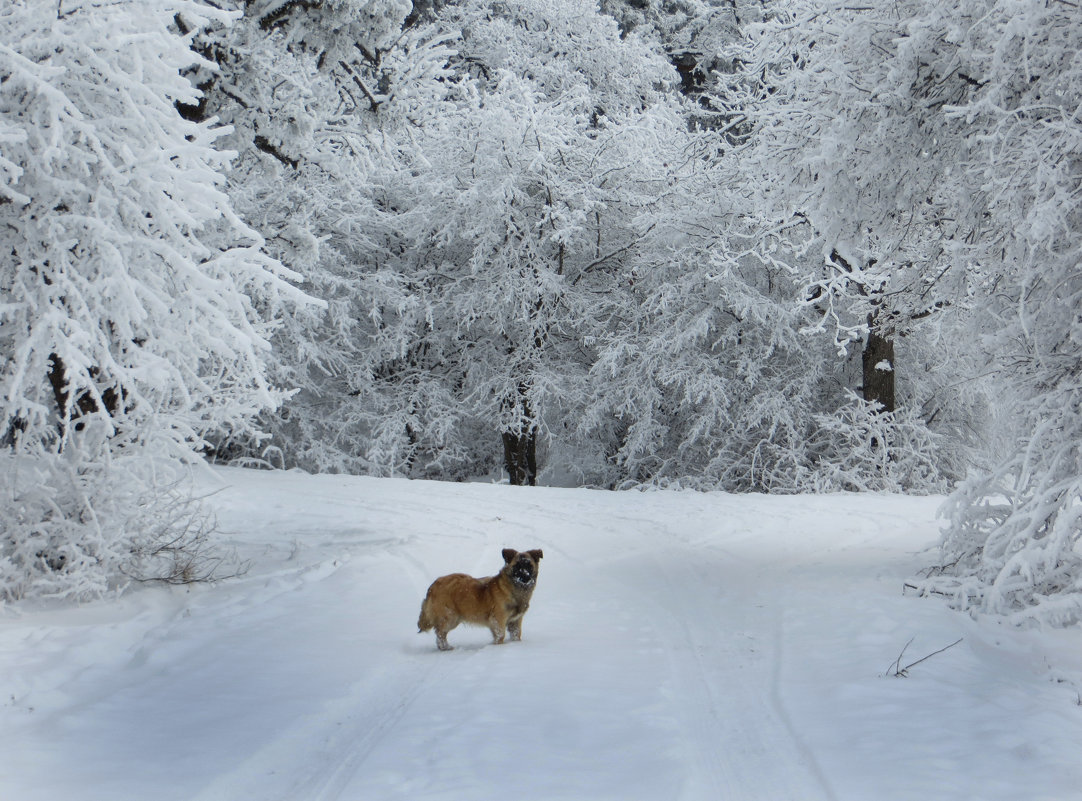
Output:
x=520 y=457
x=878 y=363
x=58 y=380
x=85 y=404
x=520 y=443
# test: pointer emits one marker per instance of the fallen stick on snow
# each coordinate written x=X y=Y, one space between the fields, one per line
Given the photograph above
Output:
x=903 y=672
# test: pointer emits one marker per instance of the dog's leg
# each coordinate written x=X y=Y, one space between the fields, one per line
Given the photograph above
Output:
x=514 y=628
x=498 y=629
x=441 y=641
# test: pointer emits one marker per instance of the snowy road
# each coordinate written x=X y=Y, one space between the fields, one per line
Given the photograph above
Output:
x=679 y=646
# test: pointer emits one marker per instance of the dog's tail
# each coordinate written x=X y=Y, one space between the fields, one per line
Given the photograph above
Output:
x=425 y=622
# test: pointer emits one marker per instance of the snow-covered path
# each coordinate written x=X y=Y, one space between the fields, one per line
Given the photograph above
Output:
x=679 y=646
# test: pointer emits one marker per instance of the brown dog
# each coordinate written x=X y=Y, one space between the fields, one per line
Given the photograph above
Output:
x=498 y=602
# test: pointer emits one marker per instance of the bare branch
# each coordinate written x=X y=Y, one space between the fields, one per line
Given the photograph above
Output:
x=903 y=672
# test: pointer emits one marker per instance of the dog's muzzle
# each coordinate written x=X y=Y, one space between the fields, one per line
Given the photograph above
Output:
x=523 y=576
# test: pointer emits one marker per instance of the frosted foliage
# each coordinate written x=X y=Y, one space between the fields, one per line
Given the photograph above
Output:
x=860 y=448
x=465 y=195
x=509 y=241
x=136 y=306
x=705 y=379
x=82 y=530
x=115 y=202
x=848 y=138
x=336 y=197
x=333 y=27
x=513 y=250
x=1013 y=542
x=560 y=43
x=720 y=389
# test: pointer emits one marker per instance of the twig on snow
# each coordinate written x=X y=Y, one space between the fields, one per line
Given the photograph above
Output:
x=903 y=672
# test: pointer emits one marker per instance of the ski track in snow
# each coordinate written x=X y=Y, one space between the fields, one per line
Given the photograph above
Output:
x=734 y=672
x=679 y=646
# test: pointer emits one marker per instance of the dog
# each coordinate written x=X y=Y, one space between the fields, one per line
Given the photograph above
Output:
x=498 y=602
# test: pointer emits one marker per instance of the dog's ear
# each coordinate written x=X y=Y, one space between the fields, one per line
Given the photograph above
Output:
x=509 y=554
x=536 y=554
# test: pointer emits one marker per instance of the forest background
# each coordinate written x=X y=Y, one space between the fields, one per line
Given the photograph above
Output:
x=713 y=244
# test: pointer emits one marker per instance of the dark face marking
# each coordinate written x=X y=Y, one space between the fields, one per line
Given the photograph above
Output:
x=523 y=570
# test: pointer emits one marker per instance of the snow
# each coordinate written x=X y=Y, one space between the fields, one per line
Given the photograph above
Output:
x=679 y=646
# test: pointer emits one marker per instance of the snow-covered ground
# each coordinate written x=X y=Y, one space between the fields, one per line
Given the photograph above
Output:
x=679 y=646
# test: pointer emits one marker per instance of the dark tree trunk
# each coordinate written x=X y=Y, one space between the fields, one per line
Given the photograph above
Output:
x=58 y=380
x=879 y=383
x=520 y=444
x=520 y=457
x=85 y=404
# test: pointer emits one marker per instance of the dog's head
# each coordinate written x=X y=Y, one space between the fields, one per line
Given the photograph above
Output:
x=522 y=566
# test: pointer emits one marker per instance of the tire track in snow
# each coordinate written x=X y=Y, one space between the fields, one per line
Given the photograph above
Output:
x=323 y=757
x=743 y=743
x=369 y=726
x=315 y=757
x=362 y=736
x=705 y=608
x=779 y=707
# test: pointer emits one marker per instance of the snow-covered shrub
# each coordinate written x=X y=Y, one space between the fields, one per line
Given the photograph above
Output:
x=75 y=528
x=861 y=448
x=52 y=542
x=1012 y=546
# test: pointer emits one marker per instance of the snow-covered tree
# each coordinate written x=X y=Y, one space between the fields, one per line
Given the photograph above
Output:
x=706 y=379
x=932 y=154
x=459 y=212
x=1012 y=545
x=839 y=112
x=539 y=199
x=325 y=101
x=709 y=379
x=542 y=176
x=136 y=306
x=694 y=34
x=846 y=137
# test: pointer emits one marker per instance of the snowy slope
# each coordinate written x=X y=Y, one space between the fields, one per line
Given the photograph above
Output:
x=679 y=646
